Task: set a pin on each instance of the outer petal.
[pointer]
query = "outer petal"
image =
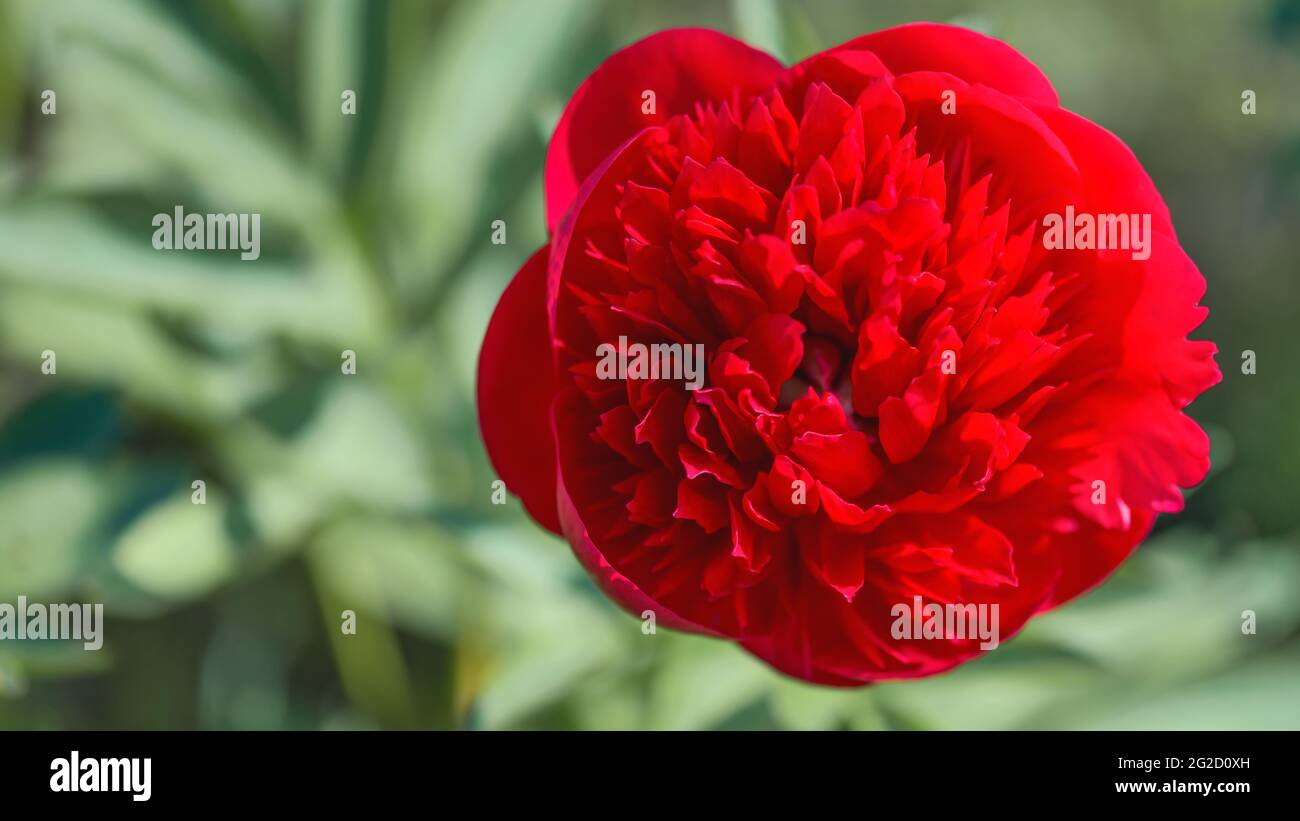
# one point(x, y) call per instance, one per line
point(1056, 561)
point(1130, 436)
point(967, 54)
point(1116, 181)
point(681, 66)
point(516, 389)
point(614, 584)
point(594, 204)
point(1167, 286)
point(1030, 163)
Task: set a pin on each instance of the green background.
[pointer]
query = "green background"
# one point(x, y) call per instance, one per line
point(372, 492)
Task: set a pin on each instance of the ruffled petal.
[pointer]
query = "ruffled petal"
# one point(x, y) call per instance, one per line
point(682, 67)
point(972, 56)
point(515, 390)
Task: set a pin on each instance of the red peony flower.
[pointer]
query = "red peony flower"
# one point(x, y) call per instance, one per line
point(944, 347)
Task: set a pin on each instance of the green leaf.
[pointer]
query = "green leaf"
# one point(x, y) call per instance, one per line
point(541, 651)
point(121, 26)
point(178, 550)
point(357, 450)
point(331, 63)
point(71, 253)
point(798, 705)
point(1184, 619)
point(759, 23)
point(984, 696)
point(48, 510)
point(174, 108)
point(358, 447)
point(1259, 696)
point(370, 661)
point(801, 38)
point(149, 366)
point(537, 631)
point(703, 682)
point(25, 661)
point(14, 53)
point(407, 573)
point(474, 92)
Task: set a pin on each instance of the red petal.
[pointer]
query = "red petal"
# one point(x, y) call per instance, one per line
point(681, 66)
point(835, 560)
point(618, 587)
point(846, 71)
point(515, 389)
point(1115, 180)
point(1030, 163)
point(967, 54)
point(843, 461)
point(774, 348)
point(906, 423)
point(1142, 447)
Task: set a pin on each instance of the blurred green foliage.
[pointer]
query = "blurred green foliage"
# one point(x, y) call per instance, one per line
point(372, 492)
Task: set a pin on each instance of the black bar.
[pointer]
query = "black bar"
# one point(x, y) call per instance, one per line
point(212, 770)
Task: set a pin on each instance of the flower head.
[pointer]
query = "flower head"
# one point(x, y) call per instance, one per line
point(944, 334)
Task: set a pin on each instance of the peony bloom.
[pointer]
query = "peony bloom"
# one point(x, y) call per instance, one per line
point(944, 331)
